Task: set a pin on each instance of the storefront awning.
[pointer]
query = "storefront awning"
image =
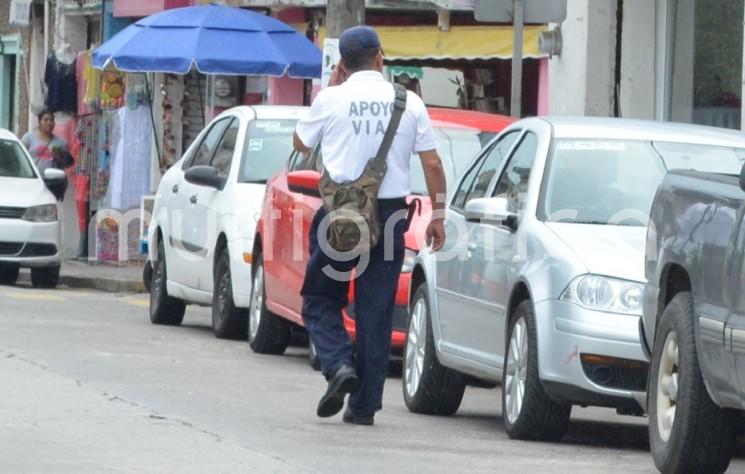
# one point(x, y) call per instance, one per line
point(460, 42)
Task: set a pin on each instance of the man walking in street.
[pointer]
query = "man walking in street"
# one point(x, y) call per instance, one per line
point(349, 119)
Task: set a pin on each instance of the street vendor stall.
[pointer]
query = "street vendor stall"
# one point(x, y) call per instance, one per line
point(184, 42)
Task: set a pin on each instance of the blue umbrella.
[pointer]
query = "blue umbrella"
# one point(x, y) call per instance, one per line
point(214, 39)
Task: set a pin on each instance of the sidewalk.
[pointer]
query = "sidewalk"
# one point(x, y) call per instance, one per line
point(102, 276)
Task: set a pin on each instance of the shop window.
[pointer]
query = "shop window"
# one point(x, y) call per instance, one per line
point(704, 71)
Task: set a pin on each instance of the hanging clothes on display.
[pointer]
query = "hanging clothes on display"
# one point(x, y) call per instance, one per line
point(89, 84)
point(62, 87)
point(130, 166)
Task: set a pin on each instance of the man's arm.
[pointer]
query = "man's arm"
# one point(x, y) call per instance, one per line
point(436, 185)
point(299, 145)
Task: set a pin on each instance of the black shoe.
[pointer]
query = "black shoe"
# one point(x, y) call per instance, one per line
point(351, 418)
point(344, 381)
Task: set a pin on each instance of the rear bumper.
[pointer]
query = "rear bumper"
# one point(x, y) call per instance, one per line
point(400, 320)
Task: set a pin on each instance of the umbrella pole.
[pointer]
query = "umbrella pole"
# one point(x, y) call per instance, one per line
point(152, 120)
point(201, 99)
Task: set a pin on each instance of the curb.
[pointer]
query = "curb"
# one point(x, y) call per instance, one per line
point(110, 285)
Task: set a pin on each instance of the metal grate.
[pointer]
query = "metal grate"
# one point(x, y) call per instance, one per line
point(10, 248)
point(11, 212)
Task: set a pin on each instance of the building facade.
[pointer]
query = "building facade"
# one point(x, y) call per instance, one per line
point(674, 60)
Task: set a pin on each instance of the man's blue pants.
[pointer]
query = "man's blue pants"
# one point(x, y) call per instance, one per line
point(324, 298)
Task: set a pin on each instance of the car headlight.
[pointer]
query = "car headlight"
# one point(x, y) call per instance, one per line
point(409, 258)
point(605, 294)
point(45, 213)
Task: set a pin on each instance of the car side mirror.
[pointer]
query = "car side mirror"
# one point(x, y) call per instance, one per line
point(203, 175)
point(305, 181)
point(54, 175)
point(742, 178)
point(493, 211)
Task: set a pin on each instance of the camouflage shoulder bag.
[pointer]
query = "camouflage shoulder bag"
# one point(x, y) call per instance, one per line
point(352, 206)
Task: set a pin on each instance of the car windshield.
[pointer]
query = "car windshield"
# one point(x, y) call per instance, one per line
point(267, 146)
point(457, 147)
point(13, 161)
point(614, 182)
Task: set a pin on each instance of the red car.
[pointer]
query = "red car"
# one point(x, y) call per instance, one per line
point(291, 200)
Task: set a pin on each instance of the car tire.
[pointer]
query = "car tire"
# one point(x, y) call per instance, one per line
point(528, 411)
point(313, 360)
point(267, 332)
point(164, 309)
point(429, 387)
point(228, 322)
point(45, 277)
point(701, 436)
point(9, 273)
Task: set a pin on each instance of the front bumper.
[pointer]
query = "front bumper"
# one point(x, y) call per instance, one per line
point(588, 356)
point(30, 244)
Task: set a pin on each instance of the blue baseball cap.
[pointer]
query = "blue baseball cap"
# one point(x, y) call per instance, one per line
point(357, 38)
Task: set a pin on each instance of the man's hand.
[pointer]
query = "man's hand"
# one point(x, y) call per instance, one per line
point(436, 234)
point(338, 76)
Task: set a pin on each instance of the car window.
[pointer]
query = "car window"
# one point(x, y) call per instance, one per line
point(268, 143)
point(513, 184)
point(457, 149)
point(476, 183)
point(203, 152)
point(226, 149)
point(13, 161)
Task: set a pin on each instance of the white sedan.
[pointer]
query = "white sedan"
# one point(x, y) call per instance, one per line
point(201, 235)
point(29, 222)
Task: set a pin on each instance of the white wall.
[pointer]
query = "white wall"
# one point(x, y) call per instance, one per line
point(581, 78)
point(437, 89)
point(638, 59)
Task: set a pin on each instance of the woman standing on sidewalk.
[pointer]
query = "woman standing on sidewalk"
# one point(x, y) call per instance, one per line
point(47, 149)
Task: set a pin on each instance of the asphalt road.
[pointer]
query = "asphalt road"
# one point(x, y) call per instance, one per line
point(89, 385)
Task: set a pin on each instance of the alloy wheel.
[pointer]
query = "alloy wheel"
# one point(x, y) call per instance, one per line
point(416, 346)
point(517, 370)
point(667, 386)
point(257, 302)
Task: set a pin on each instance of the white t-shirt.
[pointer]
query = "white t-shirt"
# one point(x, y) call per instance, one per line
point(350, 120)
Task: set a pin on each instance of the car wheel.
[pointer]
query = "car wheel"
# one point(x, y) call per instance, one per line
point(9, 273)
point(528, 411)
point(267, 332)
point(46, 277)
point(429, 387)
point(163, 308)
point(688, 432)
point(313, 359)
point(228, 322)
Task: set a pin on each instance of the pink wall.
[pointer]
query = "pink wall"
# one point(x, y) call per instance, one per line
point(137, 8)
point(543, 87)
point(284, 90)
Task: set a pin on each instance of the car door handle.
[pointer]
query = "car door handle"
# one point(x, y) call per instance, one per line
point(193, 199)
point(174, 189)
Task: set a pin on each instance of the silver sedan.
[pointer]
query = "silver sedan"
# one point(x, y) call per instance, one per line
point(540, 283)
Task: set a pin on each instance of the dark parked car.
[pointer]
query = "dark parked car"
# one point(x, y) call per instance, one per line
point(694, 317)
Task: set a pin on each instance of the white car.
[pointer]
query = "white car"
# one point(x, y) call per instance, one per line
point(201, 235)
point(29, 218)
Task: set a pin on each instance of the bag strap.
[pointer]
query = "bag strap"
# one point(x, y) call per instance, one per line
point(399, 105)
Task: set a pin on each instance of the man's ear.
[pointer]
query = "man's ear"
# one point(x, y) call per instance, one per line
point(379, 63)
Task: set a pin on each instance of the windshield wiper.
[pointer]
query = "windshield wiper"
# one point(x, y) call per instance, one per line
point(253, 181)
